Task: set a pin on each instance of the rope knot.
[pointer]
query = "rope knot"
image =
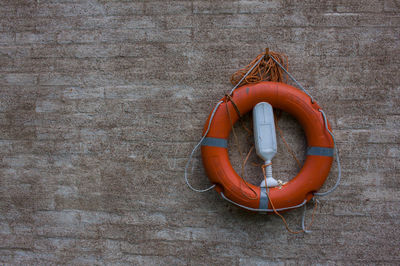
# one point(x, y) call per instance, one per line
point(266, 165)
point(229, 98)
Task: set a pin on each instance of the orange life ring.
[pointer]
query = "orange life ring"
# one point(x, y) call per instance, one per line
point(317, 165)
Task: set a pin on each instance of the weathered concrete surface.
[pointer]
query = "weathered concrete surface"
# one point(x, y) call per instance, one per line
point(101, 103)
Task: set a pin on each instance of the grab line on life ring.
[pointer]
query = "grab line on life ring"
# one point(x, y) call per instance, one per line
point(262, 210)
point(315, 169)
point(219, 143)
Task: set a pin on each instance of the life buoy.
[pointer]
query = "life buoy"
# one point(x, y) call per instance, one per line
point(317, 165)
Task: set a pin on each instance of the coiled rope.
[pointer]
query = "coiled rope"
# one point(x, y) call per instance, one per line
point(265, 69)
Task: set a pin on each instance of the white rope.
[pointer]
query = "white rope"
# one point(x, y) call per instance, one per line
point(194, 150)
point(337, 160)
point(303, 220)
point(334, 144)
point(338, 178)
point(295, 81)
point(262, 210)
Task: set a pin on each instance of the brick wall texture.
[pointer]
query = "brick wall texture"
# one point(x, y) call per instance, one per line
point(102, 101)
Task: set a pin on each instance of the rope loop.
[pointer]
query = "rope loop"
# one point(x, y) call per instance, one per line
point(195, 149)
point(336, 156)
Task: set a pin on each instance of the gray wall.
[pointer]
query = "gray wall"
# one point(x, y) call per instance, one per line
point(101, 102)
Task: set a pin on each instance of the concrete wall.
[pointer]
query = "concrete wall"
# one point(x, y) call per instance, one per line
point(102, 101)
